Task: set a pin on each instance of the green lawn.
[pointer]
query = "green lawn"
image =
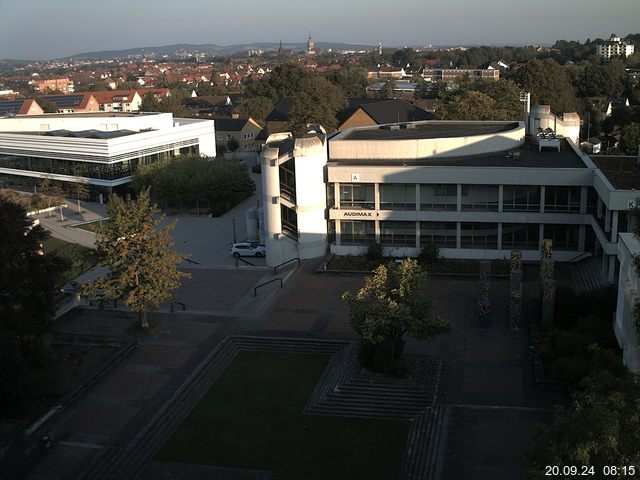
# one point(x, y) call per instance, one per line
point(252, 418)
point(91, 226)
point(79, 258)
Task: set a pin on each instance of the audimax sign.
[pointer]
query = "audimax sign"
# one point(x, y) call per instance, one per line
point(360, 214)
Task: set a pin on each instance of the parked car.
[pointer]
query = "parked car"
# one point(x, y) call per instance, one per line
point(248, 249)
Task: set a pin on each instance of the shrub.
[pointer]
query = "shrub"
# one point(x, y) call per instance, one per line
point(429, 255)
point(257, 168)
point(374, 252)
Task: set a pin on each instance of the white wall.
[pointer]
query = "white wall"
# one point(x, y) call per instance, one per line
point(628, 285)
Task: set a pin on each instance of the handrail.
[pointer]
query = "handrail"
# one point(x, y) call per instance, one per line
point(275, 269)
point(190, 261)
point(243, 261)
point(255, 290)
point(582, 256)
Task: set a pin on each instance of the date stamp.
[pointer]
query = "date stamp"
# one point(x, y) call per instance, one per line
point(570, 471)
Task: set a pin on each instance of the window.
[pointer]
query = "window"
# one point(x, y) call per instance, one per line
point(229, 137)
point(438, 197)
point(564, 237)
point(398, 196)
point(521, 198)
point(398, 234)
point(441, 234)
point(356, 195)
point(479, 235)
point(520, 236)
point(562, 199)
point(289, 220)
point(288, 180)
point(480, 197)
point(359, 232)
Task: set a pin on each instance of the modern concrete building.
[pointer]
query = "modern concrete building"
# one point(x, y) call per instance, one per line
point(614, 47)
point(625, 325)
point(101, 150)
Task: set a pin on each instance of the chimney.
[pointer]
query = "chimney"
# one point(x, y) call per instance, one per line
point(235, 115)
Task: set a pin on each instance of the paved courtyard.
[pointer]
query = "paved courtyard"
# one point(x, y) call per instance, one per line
point(485, 381)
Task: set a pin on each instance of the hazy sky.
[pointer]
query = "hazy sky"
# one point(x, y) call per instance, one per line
point(43, 29)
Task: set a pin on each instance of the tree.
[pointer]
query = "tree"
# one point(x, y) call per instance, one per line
point(27, 289)
point(257, 108)
point(233, 144)
point(137, 251)
point(352, 79)
point(149, 103)
point(317, 101)
point(482, 100)
point(390, 305)
point(630, 139)
point(549, 84)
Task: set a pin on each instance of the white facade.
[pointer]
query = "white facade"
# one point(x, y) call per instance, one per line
point(628, 294)
point(104, 149)
point(614, 47)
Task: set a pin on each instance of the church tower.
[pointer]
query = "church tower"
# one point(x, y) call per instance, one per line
point(310, 46)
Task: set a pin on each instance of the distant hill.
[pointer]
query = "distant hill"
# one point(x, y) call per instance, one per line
point(178, 50)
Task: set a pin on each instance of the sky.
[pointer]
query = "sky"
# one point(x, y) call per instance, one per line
point(47, 29)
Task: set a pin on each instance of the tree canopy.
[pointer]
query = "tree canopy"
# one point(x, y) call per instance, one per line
point(317, 101)
point(390, 305)
point(143, 269)
point(549, 84)
point(482, 100)
point(630, 139)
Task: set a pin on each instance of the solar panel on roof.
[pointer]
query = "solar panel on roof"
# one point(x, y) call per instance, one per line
point(65, 101)
point(10, 106)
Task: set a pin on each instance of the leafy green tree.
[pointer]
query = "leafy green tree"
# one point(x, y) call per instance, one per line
point(549, 84)
point(149, 103)
point(257, 108)
point(482, 100)
point(233, 144)
point(404, 56)
point(317, 101)
point(469, 105)
point(352, 79)
point(390, 305)
point(283, 81)
point(27, 288)
point(630, 139)
point(143, 269)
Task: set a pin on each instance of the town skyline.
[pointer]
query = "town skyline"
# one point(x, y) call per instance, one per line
point(57, 32)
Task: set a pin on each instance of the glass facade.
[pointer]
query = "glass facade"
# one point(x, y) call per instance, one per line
point(397, 196)
point(288, 180)
point(357, 232)
point(564, 237)
point(480, 197)
point(479, 235)
point(521, 198)
point(520, 236)
point(357, 195)
point(439, 197)
point(398, 234)
point(289, 220)
point(95, 170)
point(441, 234)
point(562, 199)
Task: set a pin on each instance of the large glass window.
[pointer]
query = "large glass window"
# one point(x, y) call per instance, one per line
point(289, 220)
point(520, 236)
point(480, 197)
point(287, 172)
point(331, 195)
point(562, 199)
point(439, 197)
point(357, 232)
point(398, 234)
point(479, 235)
point(356, 195)
point(521, 198)
point(441, 234)
point(564, 237)
point(398, 196)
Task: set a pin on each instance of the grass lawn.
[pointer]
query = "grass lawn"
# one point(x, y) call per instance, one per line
point(252, 418)
point(79, 258)
point(91, 226)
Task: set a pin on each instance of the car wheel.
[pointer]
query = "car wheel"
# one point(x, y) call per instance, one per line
point(236, 255)
point(258, 254)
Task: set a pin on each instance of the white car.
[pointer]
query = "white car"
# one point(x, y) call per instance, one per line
point(248, 249)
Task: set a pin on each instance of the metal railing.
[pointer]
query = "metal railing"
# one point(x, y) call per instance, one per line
point(190, 261)
point(275, 269)
point(255, 290)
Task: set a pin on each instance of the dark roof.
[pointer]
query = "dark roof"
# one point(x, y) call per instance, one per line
point(90, 134)
point(280, 112)
point(206, 101)
point(65, 101)
point(390, 111)
point(622, 172)
point(230, 124)
point(11, 107)
point(431, 130)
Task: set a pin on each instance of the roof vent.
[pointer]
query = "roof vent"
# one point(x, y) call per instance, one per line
point(409, 126)
point(391, 127)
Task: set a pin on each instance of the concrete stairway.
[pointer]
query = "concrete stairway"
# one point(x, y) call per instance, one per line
point(586, 275)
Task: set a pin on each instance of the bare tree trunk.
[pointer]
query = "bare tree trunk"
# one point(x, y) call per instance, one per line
point(144, 322)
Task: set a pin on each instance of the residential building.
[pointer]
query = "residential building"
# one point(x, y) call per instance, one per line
point(117, 100)
point(370, 112)
point(614, 47)
point(101, 150)
point(63, 85)
point(450, 74)
point(244, 130)
point(74, 103)
point(208, 105)
point(20, 106)
point(387, 72)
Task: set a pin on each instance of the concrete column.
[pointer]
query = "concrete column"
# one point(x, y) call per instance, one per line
point(500, 197)
point(336, 193)
point(542, 194)
point(612, 268)
point(599, 208)
point(417, 234)
point(582, 232)
point(418, 197)
point(458, 235)
point(459, 198)
point(540, 237)
point(607, 220)
point(603, 267)
point(377, 227)
point(376, 196)
point(614, 226)
point(500, 236)
point(338, 233)
point(583, 200)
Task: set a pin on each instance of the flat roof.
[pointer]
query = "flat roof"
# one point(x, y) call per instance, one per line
point(526, 156)
point(428, 130)
point(622, 171)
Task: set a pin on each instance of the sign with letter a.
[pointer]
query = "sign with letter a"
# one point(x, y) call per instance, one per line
point(355, 177)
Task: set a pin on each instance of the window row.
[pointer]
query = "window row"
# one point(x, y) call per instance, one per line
point(445, 197)
point(520, 236)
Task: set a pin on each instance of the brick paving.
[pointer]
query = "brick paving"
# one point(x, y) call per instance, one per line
point(485, 386)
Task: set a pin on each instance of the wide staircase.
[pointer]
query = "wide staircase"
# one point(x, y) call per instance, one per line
point(586, 275)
